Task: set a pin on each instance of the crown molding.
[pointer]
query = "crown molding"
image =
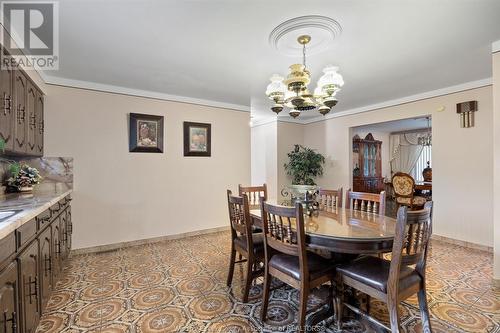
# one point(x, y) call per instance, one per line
point(495, 46)
point(405, 100)
point(274, 119)
point(57, 81)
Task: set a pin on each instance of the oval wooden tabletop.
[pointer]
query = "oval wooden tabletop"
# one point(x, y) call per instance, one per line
point(345, 230)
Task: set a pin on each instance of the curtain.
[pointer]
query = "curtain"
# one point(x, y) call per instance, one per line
point(405, 151)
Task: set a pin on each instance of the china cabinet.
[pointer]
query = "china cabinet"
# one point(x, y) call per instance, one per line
point(367, 164)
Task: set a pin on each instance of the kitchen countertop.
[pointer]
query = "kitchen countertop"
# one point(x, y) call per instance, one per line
point(31, 204)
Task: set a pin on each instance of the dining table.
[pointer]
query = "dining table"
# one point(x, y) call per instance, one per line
point(343, 231)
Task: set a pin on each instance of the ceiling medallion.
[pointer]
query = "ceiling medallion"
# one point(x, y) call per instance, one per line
point(323, 30)
point(292, 92)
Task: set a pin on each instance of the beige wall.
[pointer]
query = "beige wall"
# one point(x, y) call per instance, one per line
point(496, 153)
point(462, 159)
point(121, 196)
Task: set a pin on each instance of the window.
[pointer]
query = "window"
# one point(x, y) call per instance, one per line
point(425, 156)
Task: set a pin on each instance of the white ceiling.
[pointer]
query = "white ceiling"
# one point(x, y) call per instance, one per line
point(218, 50)
point(394, 126)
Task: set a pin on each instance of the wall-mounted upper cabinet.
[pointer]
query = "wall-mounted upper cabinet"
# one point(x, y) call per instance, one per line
point(39, 124)
point(6, 106)
point(21, 113)
point(20, 96)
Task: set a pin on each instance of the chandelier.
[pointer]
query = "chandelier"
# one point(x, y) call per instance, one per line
point(292, 92)
point(426, 139)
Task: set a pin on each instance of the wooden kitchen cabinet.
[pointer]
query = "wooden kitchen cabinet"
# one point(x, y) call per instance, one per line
point(6, 109)
point(39, 123)
point(31, 118)
point(21, 112)
point(46, 274)
point(20, 94)
point(31, 258)
point(9, 292)
point(28, 266)
point(56, 246)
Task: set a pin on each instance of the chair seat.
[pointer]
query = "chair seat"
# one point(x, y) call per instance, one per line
point(374, 272)
point(318, 266)
point(258, 243)
point(417, 201)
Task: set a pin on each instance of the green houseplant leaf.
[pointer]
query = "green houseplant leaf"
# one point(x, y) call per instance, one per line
point(304, 165)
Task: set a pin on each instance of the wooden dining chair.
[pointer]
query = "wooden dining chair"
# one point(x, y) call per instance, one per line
point(254, 193)
point(287, 259)
point(404, 191)
point(329, 200)
point(249, 245)
point(395, 280)
point(366, 202)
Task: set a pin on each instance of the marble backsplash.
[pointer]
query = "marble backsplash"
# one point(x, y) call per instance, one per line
point(54, 170)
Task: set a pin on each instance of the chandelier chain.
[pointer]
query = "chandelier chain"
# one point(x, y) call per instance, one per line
point(304, 55)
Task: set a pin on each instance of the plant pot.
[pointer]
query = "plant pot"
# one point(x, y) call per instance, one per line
point(26, 189)
point(299, 191)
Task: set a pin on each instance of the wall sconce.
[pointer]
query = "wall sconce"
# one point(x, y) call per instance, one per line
point(466, 111)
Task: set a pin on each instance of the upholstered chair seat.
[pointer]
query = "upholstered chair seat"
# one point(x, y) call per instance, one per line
point(258, 244)
point(374, 272)
point(290, 265)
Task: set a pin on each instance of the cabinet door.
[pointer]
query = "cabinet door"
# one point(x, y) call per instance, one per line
point(8, 299)
point(20, 91)
point(64, 235)
point(56, 248)
point(6, 110)
point(45, 266)
point(31, 119)
point(29, 288)
point(69, 229)
point(39, 124)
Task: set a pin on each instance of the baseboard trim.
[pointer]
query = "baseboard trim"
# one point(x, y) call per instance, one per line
point(468, 245)
point(116, 246)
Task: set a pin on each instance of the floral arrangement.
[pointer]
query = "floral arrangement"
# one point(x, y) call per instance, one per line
point(23, 176)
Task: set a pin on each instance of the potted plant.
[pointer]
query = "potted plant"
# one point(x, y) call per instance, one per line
point(23, 178)
point(304, 165)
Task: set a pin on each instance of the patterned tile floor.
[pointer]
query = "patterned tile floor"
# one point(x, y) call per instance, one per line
point(179, 286)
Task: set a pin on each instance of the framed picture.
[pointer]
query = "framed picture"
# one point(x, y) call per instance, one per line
point(197, 139)
point(146, 133)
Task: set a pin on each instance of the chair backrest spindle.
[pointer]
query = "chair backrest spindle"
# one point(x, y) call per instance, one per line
point(254, 193)
point(330, 200)
point(366, 202)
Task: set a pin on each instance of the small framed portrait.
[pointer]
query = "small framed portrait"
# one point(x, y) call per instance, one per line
point(197, 139)
point(146, 133)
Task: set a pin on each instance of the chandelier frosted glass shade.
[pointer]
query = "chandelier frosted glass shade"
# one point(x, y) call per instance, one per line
point(292, 92)
point(276, 89)
point(331, 81)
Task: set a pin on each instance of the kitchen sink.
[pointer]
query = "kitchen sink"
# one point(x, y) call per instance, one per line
point(6, 214)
